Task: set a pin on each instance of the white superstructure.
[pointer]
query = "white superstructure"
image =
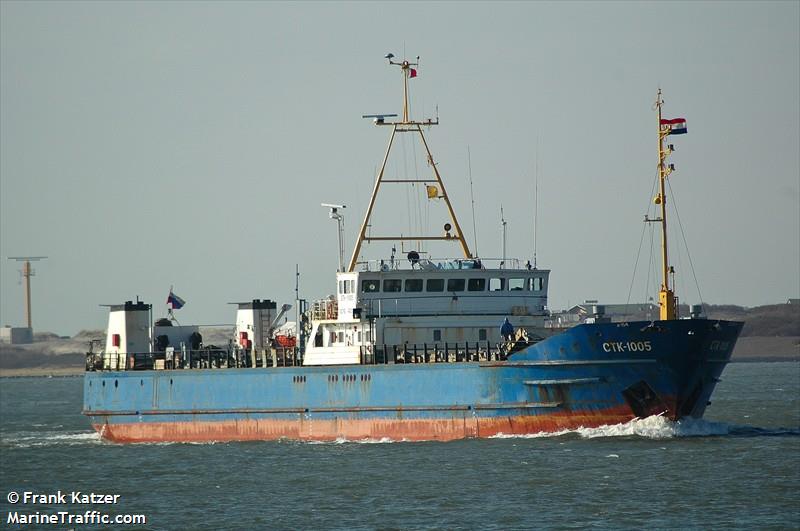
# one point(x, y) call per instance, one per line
point(457, 302)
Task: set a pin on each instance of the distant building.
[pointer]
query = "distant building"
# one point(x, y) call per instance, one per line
point(793, 301)
point(613, 310)
point(16, 336)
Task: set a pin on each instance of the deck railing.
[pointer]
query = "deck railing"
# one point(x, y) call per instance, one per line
point(442, 264)
point(214, 358)
point(434, 353)
point(207, 358)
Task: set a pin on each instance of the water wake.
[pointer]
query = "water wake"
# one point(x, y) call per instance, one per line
point(51, 438)
point(344, 440)
point(658, 427)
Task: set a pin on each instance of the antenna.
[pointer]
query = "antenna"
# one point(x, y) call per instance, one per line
point(472, 196)
point(297, 282)
point(535, 200)
point(379, 119)
point(334, 214)
point(27, 273)
point(503, 228)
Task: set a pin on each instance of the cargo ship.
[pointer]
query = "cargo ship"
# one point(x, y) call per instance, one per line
point(410, 348)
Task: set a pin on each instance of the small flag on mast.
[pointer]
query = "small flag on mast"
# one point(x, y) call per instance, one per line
point(413, 73)
point(677, 126)
point(174, 302)
point(433, 192)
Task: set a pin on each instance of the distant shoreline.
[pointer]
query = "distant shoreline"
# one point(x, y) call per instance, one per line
point(75, 372)
point(749, 349)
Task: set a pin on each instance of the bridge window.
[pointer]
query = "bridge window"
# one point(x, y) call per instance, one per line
point(537, 283)
point(516, 284)
point(476, 284)
point(497, 284)
point(481, 334)
point(435, 284)
point(455, 284)
point(369, 286)
point(414, 284)
point(437, 335)
point(346, 286)
point(392, 285)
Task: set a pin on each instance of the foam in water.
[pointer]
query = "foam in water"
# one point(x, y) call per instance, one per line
point(655, 427)
point(52, 438)
point(344, 440)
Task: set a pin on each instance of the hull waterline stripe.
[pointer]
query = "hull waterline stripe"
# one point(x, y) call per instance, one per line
point(551, 363)
point(565, 381)
point(528, 405)
point(513, 405)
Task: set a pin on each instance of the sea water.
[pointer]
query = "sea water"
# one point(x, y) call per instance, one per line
point(737, 468)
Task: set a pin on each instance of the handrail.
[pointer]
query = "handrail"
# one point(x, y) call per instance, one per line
point(437, 352)
point(403, 264)
point(206, 358)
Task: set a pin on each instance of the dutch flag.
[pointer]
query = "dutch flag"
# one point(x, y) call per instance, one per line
point(677, 126)
point(175, 302)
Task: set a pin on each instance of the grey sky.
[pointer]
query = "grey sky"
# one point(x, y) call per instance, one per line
point(149, 144)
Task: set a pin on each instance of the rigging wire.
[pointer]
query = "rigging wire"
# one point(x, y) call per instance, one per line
point(410, 215)
point(683, 235)
point(472, 196)
point(641, 240)
point(421, 194)
point(650, 267)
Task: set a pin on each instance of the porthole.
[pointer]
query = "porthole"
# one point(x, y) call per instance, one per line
point(104, 383)
point(116, 383)
point(170, 381)
point(141, 383)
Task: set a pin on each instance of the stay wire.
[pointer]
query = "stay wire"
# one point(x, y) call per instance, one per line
point(641, 240)
point(683, 235)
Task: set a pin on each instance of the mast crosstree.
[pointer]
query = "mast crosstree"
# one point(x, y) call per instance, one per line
point(407, 125)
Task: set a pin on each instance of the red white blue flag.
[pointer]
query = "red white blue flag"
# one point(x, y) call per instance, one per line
point(175, 302)
point(677, 126)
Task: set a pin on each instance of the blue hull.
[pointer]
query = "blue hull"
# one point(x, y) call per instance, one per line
point(589, 375)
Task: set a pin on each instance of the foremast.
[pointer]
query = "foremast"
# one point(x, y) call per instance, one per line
point(406, 125)
point(666, 296)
